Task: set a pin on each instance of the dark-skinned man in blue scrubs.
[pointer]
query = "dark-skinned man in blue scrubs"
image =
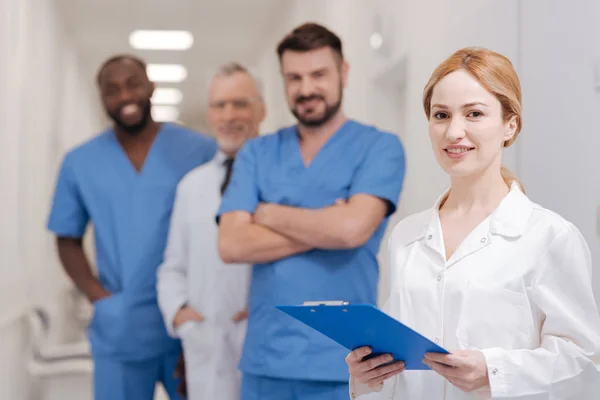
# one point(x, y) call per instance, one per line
point(123, 181)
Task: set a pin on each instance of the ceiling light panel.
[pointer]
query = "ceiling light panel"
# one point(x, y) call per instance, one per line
point(165, 113)
point(166, 72)
point(167, 96)
point(161, 40)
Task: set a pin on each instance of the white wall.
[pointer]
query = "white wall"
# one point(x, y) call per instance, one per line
point(559, 148)
point(45, 108)
point(596, 245)
point(349, 19)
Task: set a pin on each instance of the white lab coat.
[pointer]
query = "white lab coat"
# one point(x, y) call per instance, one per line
point(518, 289)
point(193, 273)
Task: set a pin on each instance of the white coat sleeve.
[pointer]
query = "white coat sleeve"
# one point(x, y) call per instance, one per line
point(172, 273)
point(567, 363)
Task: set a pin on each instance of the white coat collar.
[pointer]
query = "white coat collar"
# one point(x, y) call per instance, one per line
point(509, 219)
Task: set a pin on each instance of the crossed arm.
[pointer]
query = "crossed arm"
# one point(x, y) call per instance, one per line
point(275, 231)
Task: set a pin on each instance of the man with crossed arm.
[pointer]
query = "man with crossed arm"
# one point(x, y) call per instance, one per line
point(308, 206)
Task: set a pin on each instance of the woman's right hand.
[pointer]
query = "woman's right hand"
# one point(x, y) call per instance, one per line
point(372, 372)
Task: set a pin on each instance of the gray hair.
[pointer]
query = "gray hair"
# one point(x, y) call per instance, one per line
point(235, 67)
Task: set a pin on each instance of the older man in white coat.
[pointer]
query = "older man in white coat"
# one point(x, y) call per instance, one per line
point(203, 301)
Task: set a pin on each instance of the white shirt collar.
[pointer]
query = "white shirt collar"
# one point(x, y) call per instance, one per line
point(220, 158)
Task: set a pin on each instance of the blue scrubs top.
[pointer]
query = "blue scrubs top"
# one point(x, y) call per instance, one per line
point(356, 159)
point(130, 212)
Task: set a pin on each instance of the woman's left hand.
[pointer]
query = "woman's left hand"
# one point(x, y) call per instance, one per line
point(465, 369)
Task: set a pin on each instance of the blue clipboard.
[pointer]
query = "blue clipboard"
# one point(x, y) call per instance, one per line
point(358, 325)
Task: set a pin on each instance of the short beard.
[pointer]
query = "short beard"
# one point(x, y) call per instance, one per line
point(330, 111)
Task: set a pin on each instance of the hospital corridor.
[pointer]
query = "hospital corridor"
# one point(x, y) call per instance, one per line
point(198, 196)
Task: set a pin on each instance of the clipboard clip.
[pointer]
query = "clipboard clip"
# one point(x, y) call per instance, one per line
point(326, 303)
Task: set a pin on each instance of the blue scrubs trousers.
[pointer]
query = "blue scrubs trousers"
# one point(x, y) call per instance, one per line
point(263, 388)
point(134, 380)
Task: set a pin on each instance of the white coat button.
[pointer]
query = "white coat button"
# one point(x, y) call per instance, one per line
point(437, 341)
point(429, 237)
point(483, 240)
point(495, 371)
point(439, 278)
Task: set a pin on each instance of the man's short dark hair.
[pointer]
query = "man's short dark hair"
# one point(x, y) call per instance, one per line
point(117, 58)
point(310, 36)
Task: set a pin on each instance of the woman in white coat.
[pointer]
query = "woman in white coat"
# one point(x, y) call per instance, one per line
point(499, 281)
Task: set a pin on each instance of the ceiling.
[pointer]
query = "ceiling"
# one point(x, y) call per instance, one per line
point(223, 30)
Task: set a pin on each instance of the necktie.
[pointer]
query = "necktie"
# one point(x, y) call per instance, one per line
point(228, 164)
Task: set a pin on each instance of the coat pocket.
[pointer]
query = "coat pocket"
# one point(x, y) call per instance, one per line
point(490, 317)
